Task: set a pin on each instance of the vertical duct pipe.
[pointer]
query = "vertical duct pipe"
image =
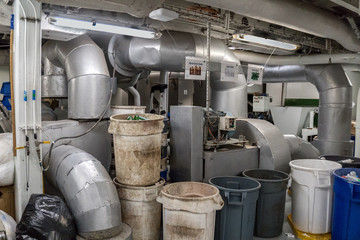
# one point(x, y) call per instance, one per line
point(87, 75)
point(88, 191)
point(131, 55)
point(335, 102)
point(136, 96)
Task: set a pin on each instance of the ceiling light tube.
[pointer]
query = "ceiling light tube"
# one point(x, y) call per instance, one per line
point(101, 27)
point(264, 41)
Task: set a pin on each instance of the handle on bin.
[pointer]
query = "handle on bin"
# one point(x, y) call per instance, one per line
point(229, 195)
point(353, 197)
point(326, 177)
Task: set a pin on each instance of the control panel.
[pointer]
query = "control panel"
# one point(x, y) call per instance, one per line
point(227, 123)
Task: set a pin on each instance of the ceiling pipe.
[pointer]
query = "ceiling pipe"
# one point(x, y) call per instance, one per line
point(87, 74)
point(335, 102)
point(295, 15)
point(88, 191)
point(258, 58)
point(130, 56)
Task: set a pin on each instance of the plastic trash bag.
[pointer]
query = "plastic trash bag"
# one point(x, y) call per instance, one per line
point(6, 160)
point(10, 225)
point(46, 217)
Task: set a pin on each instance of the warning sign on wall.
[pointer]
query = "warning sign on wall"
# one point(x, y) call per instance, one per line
point(255, 74)
point(229, 71)
point(195, 68)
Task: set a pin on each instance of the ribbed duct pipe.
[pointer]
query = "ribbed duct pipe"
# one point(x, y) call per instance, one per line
point(87, 75)
point(335, 102)
point(296, 15)
point(88, 191)
point(131, 55)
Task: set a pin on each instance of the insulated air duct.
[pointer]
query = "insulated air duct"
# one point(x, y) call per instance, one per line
point(295, 15)
point(88, 191)
point(130, 56)
point(87, 75)
point(301, 149)
point(335, 102)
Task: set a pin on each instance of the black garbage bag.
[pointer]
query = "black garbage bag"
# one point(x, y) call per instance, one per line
point(46, 217)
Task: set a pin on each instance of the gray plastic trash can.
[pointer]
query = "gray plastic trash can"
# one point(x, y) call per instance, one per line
point(271, 203)
point(236, 219)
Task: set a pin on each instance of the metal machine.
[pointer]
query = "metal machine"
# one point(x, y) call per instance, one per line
point(207, 144)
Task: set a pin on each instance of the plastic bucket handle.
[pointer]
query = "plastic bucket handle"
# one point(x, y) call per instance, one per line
point(321, 177)
point(353, 198)
point(229, 194)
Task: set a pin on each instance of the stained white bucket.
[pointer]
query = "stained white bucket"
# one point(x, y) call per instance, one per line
point(116, 109)
point(312, 194)
point(189, 210)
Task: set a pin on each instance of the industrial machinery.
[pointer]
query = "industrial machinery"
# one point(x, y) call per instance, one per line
point(207, 144)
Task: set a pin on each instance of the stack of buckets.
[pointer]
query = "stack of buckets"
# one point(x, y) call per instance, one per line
point(137, 148)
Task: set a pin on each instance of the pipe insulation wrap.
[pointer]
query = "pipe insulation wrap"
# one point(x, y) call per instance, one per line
point(88, 190)
point(87, 74)
point(335, 102)
point(130, 56)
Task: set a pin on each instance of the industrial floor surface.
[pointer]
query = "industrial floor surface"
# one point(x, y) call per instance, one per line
point(287, 233)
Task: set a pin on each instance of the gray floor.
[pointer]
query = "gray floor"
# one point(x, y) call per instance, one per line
point(287, 233)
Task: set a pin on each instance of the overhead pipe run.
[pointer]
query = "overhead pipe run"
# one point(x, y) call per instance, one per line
point(335, 102)
point(295, 15)
point(131, 55)
point(87, 74)
point(297, 60)
point(88, 191)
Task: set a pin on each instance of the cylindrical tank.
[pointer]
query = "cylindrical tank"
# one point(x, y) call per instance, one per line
point(137, 148)
point(140, 210)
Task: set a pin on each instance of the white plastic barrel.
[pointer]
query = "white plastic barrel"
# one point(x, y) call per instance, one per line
point(117, 109)
point(137, 148)
point(140, 210)
point(189, 210)
point(312, 194)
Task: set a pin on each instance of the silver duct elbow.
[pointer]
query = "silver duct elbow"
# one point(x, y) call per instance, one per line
point(87, 75)
point(130, 56)
point(88, 191)
point(335, 102)
point(301, 149)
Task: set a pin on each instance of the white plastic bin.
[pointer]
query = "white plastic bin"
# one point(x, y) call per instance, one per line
point(312, 194)
point(117, 109)
point(189, 210)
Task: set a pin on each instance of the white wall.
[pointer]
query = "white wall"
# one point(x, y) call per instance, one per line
point(292, 90)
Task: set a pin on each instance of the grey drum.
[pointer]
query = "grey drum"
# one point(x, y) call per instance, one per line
point(271, 204)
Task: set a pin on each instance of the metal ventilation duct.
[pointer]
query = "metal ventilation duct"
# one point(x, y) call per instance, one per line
point(131, 55)
point(87, 75)
point(88, 190)
point(335, 104)
point(295, 15)
point(301, 149)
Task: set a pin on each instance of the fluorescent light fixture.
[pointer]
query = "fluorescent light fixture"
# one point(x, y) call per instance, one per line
point(265, 41)
point(101, 27)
